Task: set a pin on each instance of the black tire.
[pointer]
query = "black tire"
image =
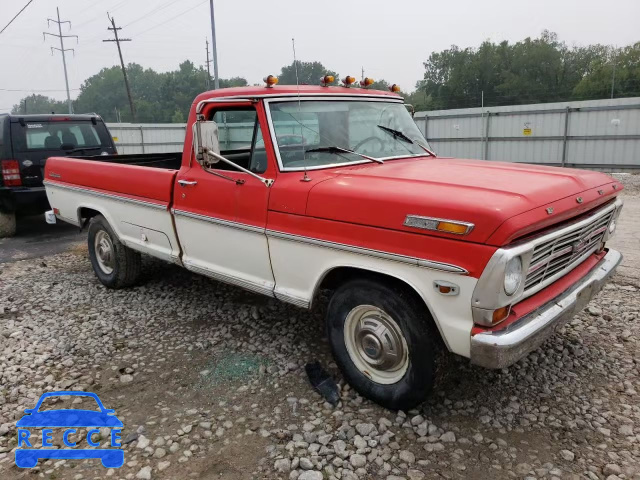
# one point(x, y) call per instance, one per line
point(126, 262)
point(420, 334)
point(7, 224)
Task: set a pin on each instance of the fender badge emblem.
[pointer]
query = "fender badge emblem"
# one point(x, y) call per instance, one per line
point(601, 192)
point(549, 210)
point(579, 199)
point(615, 187)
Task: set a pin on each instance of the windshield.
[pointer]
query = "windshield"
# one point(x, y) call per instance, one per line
point(363, 127)
point(60, 135)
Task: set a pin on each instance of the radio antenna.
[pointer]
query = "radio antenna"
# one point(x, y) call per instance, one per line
point(295, 66)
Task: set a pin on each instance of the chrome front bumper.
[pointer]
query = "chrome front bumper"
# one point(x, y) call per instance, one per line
point(501, 348)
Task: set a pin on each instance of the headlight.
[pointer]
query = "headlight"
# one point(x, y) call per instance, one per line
point(512, 275)
point(612, 226)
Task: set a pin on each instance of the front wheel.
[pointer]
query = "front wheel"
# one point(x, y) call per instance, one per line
point(115, 265)
point(384, 342)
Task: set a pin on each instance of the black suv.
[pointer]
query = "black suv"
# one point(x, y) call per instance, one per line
point(26, 141)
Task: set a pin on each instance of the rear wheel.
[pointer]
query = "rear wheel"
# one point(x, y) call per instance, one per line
point(115, 265)
point(384, 342)
point(7, 224)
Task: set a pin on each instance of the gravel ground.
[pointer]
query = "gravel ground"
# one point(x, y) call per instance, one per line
point(209, 383)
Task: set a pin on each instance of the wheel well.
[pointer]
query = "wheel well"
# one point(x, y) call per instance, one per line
point(340, 275)
point(85, 214)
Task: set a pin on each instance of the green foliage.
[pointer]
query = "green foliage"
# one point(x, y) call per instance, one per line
point(626, 62)
point(158, 97)
point(530, 71)
point(40, 104)
point(309, 73)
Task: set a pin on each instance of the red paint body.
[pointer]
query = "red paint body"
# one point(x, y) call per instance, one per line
point(365, 205)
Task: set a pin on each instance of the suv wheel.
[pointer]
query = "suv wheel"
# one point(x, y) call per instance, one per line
point(7, 224)
point(115, 265)
point(383, 342)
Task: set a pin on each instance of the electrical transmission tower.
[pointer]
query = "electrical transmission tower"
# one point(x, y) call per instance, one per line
point(62, 50)
point(124, 70)
point(208, 63)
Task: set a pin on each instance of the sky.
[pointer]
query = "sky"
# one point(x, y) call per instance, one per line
point(389, 39)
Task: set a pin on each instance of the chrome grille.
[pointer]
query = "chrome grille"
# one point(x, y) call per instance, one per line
point(553, 256)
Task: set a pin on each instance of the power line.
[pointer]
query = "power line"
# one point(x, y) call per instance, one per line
point(124, 70)
point(11, 21)
point(170, 19)
point(62, 50)
point(34, 90)
point(152, 12)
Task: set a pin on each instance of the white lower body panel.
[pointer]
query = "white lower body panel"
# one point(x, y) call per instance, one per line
point(300, 267)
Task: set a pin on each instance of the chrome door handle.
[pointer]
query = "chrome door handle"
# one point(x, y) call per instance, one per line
point(184, 183)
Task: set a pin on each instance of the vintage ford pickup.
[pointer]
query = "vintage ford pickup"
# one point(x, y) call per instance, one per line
point(290, 191)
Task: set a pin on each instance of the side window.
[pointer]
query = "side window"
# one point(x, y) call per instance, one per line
point(241, 139)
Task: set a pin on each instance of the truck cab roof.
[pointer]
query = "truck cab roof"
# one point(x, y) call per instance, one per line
point(292, 90)
point(47, 117)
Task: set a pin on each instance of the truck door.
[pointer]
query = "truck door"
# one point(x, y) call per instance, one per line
point(220, 212)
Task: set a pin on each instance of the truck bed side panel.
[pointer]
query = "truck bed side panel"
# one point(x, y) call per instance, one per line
point(143, 182)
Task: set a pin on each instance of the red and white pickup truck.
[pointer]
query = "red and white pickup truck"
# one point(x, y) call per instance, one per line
point(288, 191)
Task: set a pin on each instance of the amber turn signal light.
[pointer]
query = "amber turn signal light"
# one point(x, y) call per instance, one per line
point(500, 314)
point(270, 80)
point(450, 227)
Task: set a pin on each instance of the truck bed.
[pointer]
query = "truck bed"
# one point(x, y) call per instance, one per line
point(169, 161)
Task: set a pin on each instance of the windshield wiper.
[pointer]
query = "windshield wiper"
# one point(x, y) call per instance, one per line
point(402, 136)
point(334, 149)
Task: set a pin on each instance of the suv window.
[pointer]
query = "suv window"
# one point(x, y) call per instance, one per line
point(54, 135)
point(241, 139)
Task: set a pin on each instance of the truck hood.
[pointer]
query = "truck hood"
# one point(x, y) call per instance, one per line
point(484, 193)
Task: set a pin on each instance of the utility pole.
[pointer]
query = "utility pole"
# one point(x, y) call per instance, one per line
point(216, 82)
point(208, 62)
point(613, 75)
point(62, 50)
point(124, 70)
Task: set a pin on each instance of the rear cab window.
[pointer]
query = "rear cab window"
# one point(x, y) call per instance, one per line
point(80, 136)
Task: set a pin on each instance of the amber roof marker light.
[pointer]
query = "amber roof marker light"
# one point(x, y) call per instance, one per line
point(270, 80)
point(348, 81)
point(327, 80)
point(366, 82)
point(395, 88)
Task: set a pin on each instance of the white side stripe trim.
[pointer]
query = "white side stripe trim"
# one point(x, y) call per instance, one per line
point(104, 195)
point(420, 262)
point(446, 267)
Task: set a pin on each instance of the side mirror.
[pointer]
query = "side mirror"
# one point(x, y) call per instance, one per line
point(205, 137)
point(409, 107)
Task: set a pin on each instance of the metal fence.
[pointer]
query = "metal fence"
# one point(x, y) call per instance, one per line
point(169, 137)
point(595, 134)
point(147, 137)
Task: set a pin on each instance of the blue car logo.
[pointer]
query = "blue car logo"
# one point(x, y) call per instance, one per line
point(70, 419)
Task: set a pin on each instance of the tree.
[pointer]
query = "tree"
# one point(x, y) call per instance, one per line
point(541, 69)
point(309, 73)
point(39, 104)
point(625, 81)
point(158, 97)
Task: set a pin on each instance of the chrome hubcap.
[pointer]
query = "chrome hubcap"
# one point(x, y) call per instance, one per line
point(104, 251)
point(376, 344)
